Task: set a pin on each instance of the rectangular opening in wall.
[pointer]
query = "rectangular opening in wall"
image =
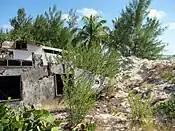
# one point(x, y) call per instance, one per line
point(3, 62)
point(21, 45)
point(27, 63)
point(18, 45)
point(52, 51)
point(59, 83)
point(10, 86)
point(14, 63)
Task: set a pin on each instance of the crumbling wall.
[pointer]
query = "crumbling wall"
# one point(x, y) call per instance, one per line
point(13, 71)
point(36, 85)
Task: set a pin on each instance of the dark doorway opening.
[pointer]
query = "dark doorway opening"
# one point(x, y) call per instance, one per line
point(10, 86)
point(3, 62)
point(21, 45)
point(59, 83)
point(14, 63)
point(27, 63)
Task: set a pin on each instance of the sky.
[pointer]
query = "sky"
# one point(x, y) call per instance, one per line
point(108, 9)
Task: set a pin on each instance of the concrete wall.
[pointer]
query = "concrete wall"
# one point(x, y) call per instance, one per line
point(27, 54)
point(37, 86)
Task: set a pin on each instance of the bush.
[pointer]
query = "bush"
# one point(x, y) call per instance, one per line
point(168, 75)
point(27, 119)
point(166, 110)
point(141, 111)
point(79, 98)
point(94, 61)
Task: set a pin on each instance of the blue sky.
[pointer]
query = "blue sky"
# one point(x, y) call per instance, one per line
point(109, 9)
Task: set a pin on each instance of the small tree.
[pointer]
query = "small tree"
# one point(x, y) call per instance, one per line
point(22, 26)
point(137, 34)
point(93, 60)
point(47, 27)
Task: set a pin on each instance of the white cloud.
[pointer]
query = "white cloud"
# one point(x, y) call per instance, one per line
point(6, 27)
point(171, 25)
point(168, 36)
point(88, 12)
point(65, 16)
point(155, 13)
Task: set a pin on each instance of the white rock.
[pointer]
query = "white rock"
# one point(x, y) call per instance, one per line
point(121, 94)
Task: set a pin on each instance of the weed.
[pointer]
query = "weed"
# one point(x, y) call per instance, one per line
point(141, 111)
point(166, 110)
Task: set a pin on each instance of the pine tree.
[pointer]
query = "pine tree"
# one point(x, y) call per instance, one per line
point(21, 26)
point(136, 34)
point(47, 27)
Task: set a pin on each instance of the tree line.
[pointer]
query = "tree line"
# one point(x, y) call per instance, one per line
point(133, 32)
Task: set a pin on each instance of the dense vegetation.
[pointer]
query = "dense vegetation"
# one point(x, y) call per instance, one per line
point(26, 119)
point(78, 94)
point(134, 33)
point(95, 48)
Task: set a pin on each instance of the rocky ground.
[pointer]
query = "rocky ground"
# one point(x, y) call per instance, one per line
point(141, 76)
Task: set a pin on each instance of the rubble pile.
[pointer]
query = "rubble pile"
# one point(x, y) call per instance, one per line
point(140, 76)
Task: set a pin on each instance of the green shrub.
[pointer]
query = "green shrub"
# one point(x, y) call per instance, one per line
point(90, 127)
point(168, 75)
point(79, 99)
point(27, 119)
point(78, 94)
point(141, 111)
point(166, 110)
point(94, 59)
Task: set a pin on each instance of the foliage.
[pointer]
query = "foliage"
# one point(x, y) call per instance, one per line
point(96, 59)
point(134, 32)
point(168, 75)
point(79, 98)
point(137, 34)
point(22, 26)
point(90, 127)
point(27, 119)
point(141, 111)
point(166, 109)
point(72, 29)
point(143, 114)
point(47, 27)
point(3, 36)
point(72, 19)
point(153, 127)
point(92, 61)
point(93, 31)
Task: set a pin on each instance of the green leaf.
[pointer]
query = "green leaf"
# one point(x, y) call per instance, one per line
point(38, 128)
point(17, 118)
point(4, 120)
point(20, 129)
point(54, 129)
point(1, 127)
point(50, 118)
